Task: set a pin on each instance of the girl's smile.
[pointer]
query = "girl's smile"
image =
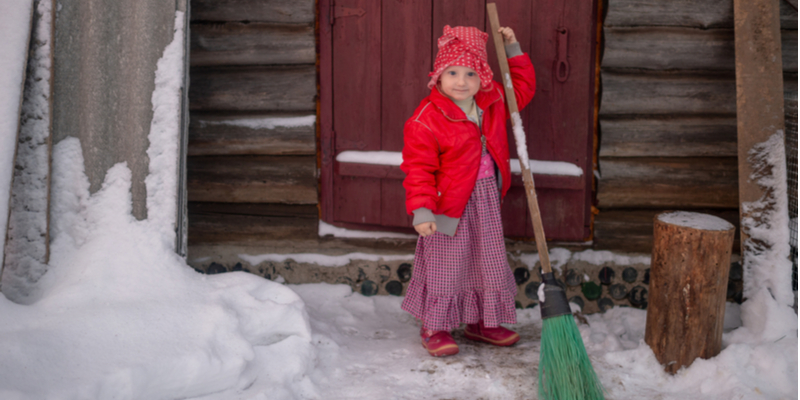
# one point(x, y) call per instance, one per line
point(459, 83)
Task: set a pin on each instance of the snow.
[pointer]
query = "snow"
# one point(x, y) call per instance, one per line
point(267, 123)
point(15, 19)
point(328, 229)
point(371, 157)
point(395, 158)
point(508, 81)
point(26, 250)
point(164, 137)
point(695, 220)
point(548, 168)
point(766, 221)
point(519, 139)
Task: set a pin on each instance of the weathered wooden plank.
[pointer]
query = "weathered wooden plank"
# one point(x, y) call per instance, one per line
point(253, 88)
point(701, 14)
point(655, 47)
point(236, 43)
point(789, 50)
point(668, 137)
point(249, 223)
point(282, 11)
point(690, 13)
point(252, 179)
point(665, 48)
point(710, 182)
point(259, 134)
point(631, 230)
point(668, 93)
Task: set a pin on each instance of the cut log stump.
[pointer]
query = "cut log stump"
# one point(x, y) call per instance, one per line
point(689, 279)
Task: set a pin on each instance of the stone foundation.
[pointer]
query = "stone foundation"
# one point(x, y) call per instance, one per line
point(595, 286)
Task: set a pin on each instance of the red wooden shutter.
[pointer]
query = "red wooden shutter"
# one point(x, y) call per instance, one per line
point(375, 57)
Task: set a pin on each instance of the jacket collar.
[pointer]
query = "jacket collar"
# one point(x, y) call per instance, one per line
point(483, 99)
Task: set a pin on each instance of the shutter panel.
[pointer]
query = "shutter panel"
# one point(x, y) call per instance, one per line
point(379, 54)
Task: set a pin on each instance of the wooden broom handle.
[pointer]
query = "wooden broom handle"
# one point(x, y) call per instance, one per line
point(527, 177)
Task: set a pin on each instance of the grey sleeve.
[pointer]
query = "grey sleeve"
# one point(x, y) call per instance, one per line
point(513, 50)
point(421, 215)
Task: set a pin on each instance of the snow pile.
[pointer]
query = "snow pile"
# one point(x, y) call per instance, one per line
point(15, 18)
point(26, 251)
point(548, 168)
point(123, 316)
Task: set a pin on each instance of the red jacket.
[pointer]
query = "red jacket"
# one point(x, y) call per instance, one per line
point(442, 150)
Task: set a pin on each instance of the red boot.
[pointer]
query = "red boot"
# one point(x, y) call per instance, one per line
point(438, 343)
point(497, 336)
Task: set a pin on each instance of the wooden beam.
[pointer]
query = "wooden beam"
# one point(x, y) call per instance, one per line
point(760, 113)
point(631, 230)
point(668, 93)
point(254, 134)
point(253, 88)
point(252, 179)
point(664, 48)
point(236, 43)
point(689, 13)
point(667, 182)
point(700, 136)
point(281, 11)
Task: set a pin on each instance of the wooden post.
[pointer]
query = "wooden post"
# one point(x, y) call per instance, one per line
point(759, 93)
point(688, 284)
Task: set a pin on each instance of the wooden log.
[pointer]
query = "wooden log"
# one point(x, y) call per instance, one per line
point(689, 13)
point(668, 183)
point(668, 93)
point(281, 11)
point(701, 14)
point(668, 48)
point(220, 223)
point(252, 179)
point(668, 137)
point(631, 230)
point(688, 286)
point(236, 43)
point(257, 134)
point(789, 50)
point(253, 88)
point(664, 48)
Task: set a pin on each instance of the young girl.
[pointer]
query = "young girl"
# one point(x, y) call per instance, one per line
point(457, 168)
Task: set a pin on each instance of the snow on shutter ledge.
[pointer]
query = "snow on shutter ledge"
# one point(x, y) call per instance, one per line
point(395, 158)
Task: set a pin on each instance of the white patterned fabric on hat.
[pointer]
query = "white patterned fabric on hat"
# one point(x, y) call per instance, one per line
point(463, 46)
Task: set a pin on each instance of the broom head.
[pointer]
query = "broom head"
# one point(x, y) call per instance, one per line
point(565, 372)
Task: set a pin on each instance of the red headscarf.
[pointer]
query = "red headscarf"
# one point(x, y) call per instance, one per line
point(463, 46)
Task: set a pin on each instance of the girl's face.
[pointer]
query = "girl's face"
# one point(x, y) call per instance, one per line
point(459, 83)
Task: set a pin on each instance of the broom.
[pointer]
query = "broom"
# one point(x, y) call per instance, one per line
point(565, 372)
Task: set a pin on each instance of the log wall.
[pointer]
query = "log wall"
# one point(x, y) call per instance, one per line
point(667, 118)
point(251, 165)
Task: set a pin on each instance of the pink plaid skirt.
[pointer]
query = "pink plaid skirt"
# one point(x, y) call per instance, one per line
point(465, 278)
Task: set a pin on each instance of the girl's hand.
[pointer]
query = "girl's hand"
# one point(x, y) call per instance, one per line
point(426, 228)
point(508, 35)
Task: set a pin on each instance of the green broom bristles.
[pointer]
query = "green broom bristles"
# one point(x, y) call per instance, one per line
point(565, 372)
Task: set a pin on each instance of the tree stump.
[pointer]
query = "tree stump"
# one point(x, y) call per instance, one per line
point(688, 284)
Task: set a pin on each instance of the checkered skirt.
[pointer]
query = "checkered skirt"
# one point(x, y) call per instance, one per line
point(465, 278)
